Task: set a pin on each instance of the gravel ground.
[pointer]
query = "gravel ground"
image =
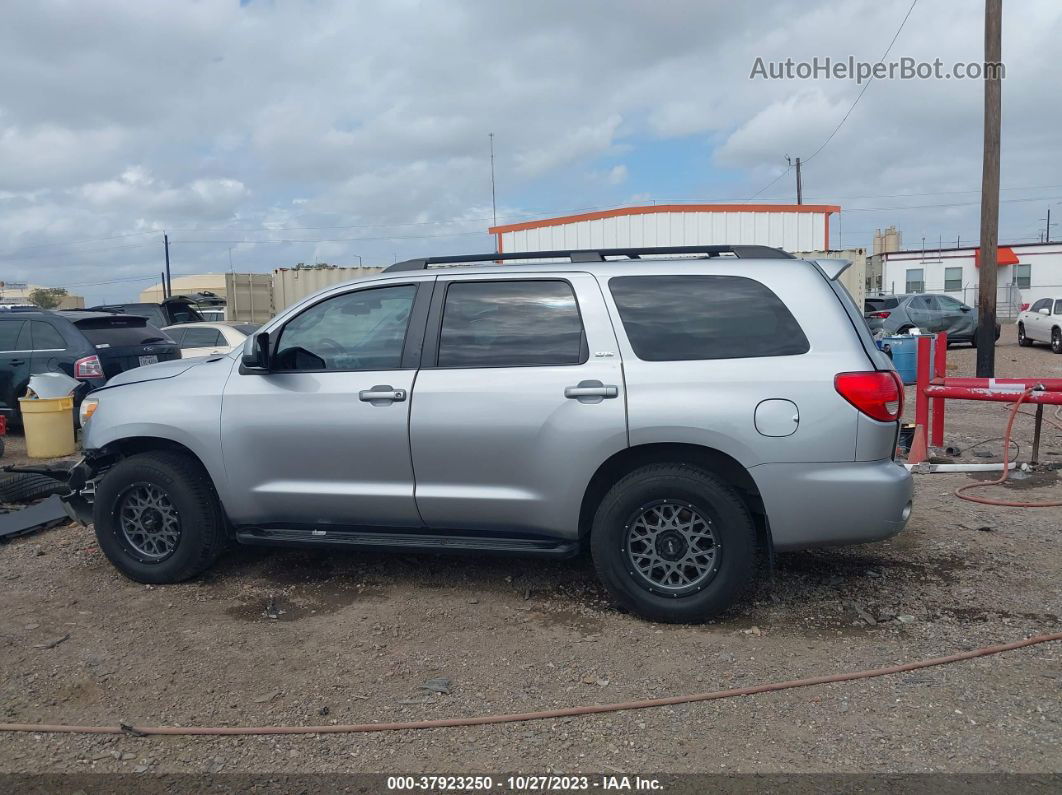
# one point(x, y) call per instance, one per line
point(269, 637)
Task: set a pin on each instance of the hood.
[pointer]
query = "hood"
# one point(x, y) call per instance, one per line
point(155, 372)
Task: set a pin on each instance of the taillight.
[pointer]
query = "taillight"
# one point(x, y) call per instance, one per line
point(877, 394)
point(88, 367)
point(882, 315)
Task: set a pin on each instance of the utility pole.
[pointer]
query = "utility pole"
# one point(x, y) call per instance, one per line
point(986, 293)
point(168, 285)
point(1046, 235)
point(800, 187)
point(493, 197)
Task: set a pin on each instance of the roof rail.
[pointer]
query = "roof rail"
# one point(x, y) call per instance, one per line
point(592, 255)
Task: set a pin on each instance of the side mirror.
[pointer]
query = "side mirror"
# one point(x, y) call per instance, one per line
point(966, 308)
point(1045, 311)
point(255, 358)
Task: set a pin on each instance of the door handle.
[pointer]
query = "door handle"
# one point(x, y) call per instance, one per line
point(590, 392)
point(381, 395)
point(17, 361)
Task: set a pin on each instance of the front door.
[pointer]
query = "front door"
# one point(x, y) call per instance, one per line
point(15, 353)
point(323, 437)
point(957, 319)
point(520, 398)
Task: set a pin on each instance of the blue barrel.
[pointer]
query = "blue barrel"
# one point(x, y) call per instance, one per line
point(904, 349)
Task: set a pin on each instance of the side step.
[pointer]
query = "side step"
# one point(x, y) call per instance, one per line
point(399, 541)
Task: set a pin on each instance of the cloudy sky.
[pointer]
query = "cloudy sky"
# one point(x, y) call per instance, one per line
point(285, 131)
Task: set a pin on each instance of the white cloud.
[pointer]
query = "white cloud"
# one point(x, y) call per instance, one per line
point(372, 118)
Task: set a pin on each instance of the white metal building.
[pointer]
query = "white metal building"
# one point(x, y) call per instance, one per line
point(793, 227)
point(1027, 272)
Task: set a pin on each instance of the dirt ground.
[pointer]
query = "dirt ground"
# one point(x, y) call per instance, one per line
point(270, 637)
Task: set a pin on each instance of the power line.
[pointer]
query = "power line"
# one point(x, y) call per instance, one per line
point(769, 184)
point(840, 124)
point(866, 85)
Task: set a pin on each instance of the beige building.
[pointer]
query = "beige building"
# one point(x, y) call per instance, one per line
point(854, 278)
point(186, 285)
point(19, 292)
point(885, 241)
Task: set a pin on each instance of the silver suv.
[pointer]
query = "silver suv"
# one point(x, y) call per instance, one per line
point(677, 411)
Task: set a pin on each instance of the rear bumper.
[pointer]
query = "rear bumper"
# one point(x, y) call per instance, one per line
point(811, 505)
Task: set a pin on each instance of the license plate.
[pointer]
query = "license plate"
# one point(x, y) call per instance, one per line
point(149, 360)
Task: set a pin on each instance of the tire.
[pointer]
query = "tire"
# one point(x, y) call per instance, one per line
point(1023, 341)
point(647, 497)
point(172, 528)
point(26, 486)
point(1056, 340)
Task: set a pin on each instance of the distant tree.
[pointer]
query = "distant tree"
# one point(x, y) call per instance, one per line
point(47, 297)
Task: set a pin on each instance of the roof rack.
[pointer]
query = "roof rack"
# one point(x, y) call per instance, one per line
point(592, 255)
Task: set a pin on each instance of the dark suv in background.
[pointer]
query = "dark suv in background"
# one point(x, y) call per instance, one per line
point(88, 346)
point(168, 313)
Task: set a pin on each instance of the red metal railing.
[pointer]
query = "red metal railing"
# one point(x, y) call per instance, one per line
point(932, 392)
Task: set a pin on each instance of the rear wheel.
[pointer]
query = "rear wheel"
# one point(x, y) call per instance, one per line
point(1023, 341)
point(157, 518)
point(673, 543)
point(1056, 340)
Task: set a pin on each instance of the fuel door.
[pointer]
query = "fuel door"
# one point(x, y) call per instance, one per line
point(777, 417)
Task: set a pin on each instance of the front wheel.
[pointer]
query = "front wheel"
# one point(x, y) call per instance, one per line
point(157, 518)
point(1023, 341)
point(1056, 340)
point(673, 543)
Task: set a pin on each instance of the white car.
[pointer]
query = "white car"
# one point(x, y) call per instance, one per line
point(1042, 322)
point(205, 339)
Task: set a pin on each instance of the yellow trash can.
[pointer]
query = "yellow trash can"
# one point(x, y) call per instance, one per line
point(49, 426)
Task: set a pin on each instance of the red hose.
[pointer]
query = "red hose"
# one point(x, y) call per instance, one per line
point(1006, 471)
point(566, 712)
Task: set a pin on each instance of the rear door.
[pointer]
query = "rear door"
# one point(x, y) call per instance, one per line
point(924, 313)
point(49, 349)
point(15, 356)
point(520, 398)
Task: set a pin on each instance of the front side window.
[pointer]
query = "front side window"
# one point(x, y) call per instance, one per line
point(952, 279)
point(361, 330)
point(948, 304)
point(682, 318)
point(1023, 276)
point(916, 282)
point(511, 323)
point(1043, 303)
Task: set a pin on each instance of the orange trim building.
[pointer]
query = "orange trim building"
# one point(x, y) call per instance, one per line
point(792, 227)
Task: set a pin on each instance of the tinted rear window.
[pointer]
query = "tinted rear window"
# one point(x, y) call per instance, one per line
point(116, 332)
point(876, 304)
point(679, 318)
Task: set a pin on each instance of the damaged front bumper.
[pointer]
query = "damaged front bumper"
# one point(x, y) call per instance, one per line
point(80, 482)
